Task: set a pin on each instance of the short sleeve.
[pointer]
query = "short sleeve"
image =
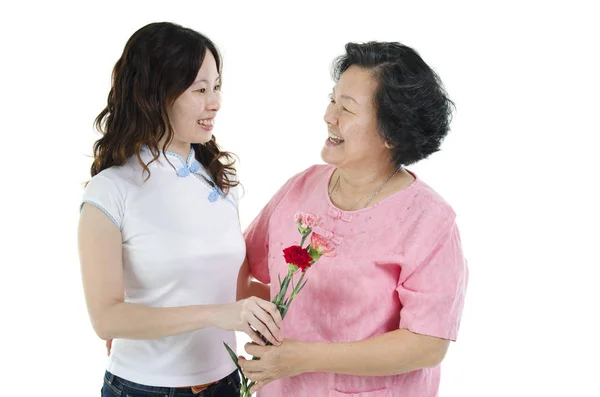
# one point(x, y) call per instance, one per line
point(432, 294)
point(104, 193)
point(257, 235)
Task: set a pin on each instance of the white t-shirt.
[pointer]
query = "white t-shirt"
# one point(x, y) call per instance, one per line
point(182, 245)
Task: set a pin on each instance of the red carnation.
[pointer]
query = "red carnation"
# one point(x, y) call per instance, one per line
point(298, 256)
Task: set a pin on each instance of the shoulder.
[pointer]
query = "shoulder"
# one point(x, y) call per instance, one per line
point(298, 186)
point(430, 201)
point(130, 173)
point(428, 215)
point(310, 177)
point(115, 176)
point(116, 181)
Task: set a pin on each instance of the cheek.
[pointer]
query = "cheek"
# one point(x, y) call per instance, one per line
point(191, 107)
point(179, 111)
point(369, 132)
point(197, 107)
point(355, 132)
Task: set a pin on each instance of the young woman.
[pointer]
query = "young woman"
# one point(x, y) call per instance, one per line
point(159, 235)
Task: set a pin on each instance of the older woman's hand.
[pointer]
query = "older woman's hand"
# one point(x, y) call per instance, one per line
point(275, 362)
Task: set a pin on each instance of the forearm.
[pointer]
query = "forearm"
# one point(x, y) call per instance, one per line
point(135, 321)
point(260, 290)
point(247, 287)
point(392, 353)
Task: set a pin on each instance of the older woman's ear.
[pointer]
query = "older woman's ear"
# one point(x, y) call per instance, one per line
point(389, 145)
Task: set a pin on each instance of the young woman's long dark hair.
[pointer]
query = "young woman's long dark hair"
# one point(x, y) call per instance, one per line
point(159, 62)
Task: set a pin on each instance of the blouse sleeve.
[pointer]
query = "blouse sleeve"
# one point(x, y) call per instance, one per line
point(105, 194)
point(257, 234)
point(432, 293)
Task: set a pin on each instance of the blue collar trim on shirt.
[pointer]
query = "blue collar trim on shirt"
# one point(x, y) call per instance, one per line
point(191, 166)
point(187, 169)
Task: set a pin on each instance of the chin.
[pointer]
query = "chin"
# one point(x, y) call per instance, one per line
point(202, 138)
point(326, 157)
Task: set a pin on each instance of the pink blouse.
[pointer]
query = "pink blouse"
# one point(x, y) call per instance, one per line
point(398, 265)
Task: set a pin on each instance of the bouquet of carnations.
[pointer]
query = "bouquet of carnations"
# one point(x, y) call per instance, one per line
point(299, 260)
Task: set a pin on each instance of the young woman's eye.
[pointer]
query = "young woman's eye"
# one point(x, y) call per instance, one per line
point(218, 87)
point(202, 90)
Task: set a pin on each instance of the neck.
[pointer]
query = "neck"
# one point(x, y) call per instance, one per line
point(180, 148)
point(364, 180)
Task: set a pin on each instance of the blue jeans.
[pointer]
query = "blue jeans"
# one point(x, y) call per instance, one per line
point(119, 387)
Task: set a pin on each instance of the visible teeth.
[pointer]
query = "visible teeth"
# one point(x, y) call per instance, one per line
point(206, 122)
point(335, 137)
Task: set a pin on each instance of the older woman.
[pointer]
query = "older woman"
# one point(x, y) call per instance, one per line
point(376, 319)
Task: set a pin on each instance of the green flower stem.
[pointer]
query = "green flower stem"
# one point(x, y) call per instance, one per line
point(284, 287)
point(283, 308)
point(294, 294)
point(296, 290)
point(304, 236)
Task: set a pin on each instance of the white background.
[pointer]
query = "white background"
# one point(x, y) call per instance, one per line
point(518, 166)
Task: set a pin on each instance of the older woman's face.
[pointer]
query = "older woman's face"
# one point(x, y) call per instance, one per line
point(352, 122)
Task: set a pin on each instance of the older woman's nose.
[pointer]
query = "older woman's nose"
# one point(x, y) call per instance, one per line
point(330, 117)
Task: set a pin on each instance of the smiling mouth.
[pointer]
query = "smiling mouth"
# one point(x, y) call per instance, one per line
point(335, 139)
point(208, 123)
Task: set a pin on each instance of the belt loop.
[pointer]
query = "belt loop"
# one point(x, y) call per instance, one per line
point(172, 392)
point(110, 377)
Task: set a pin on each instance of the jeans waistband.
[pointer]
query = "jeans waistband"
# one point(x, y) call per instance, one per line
point(117, 381)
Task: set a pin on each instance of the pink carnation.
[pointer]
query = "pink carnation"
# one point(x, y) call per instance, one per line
point(322, 245)
point(307, 219)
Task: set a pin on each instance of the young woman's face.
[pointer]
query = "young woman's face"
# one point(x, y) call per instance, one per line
point(193, 112)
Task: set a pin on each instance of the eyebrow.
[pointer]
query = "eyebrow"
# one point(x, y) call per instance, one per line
point(206, 81)
point(347, 97)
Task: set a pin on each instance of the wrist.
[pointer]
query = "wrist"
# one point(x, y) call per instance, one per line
point(310, 356)
point(207, 316)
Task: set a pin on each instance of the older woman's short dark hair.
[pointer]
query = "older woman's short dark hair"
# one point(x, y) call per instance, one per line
point(413, 109)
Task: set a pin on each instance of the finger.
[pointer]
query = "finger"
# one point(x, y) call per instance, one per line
point(253, 335)
point(268, 321)
point(254, 376)
point(266, 312)
point(271, 308)
point(241, 360)
point(258, 325)
point(249, 366)
point(254, 349)
point(262, 322)
point(271, 317)
point(258, 386)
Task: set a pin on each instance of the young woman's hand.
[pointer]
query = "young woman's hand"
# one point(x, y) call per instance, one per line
point(251, 315)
